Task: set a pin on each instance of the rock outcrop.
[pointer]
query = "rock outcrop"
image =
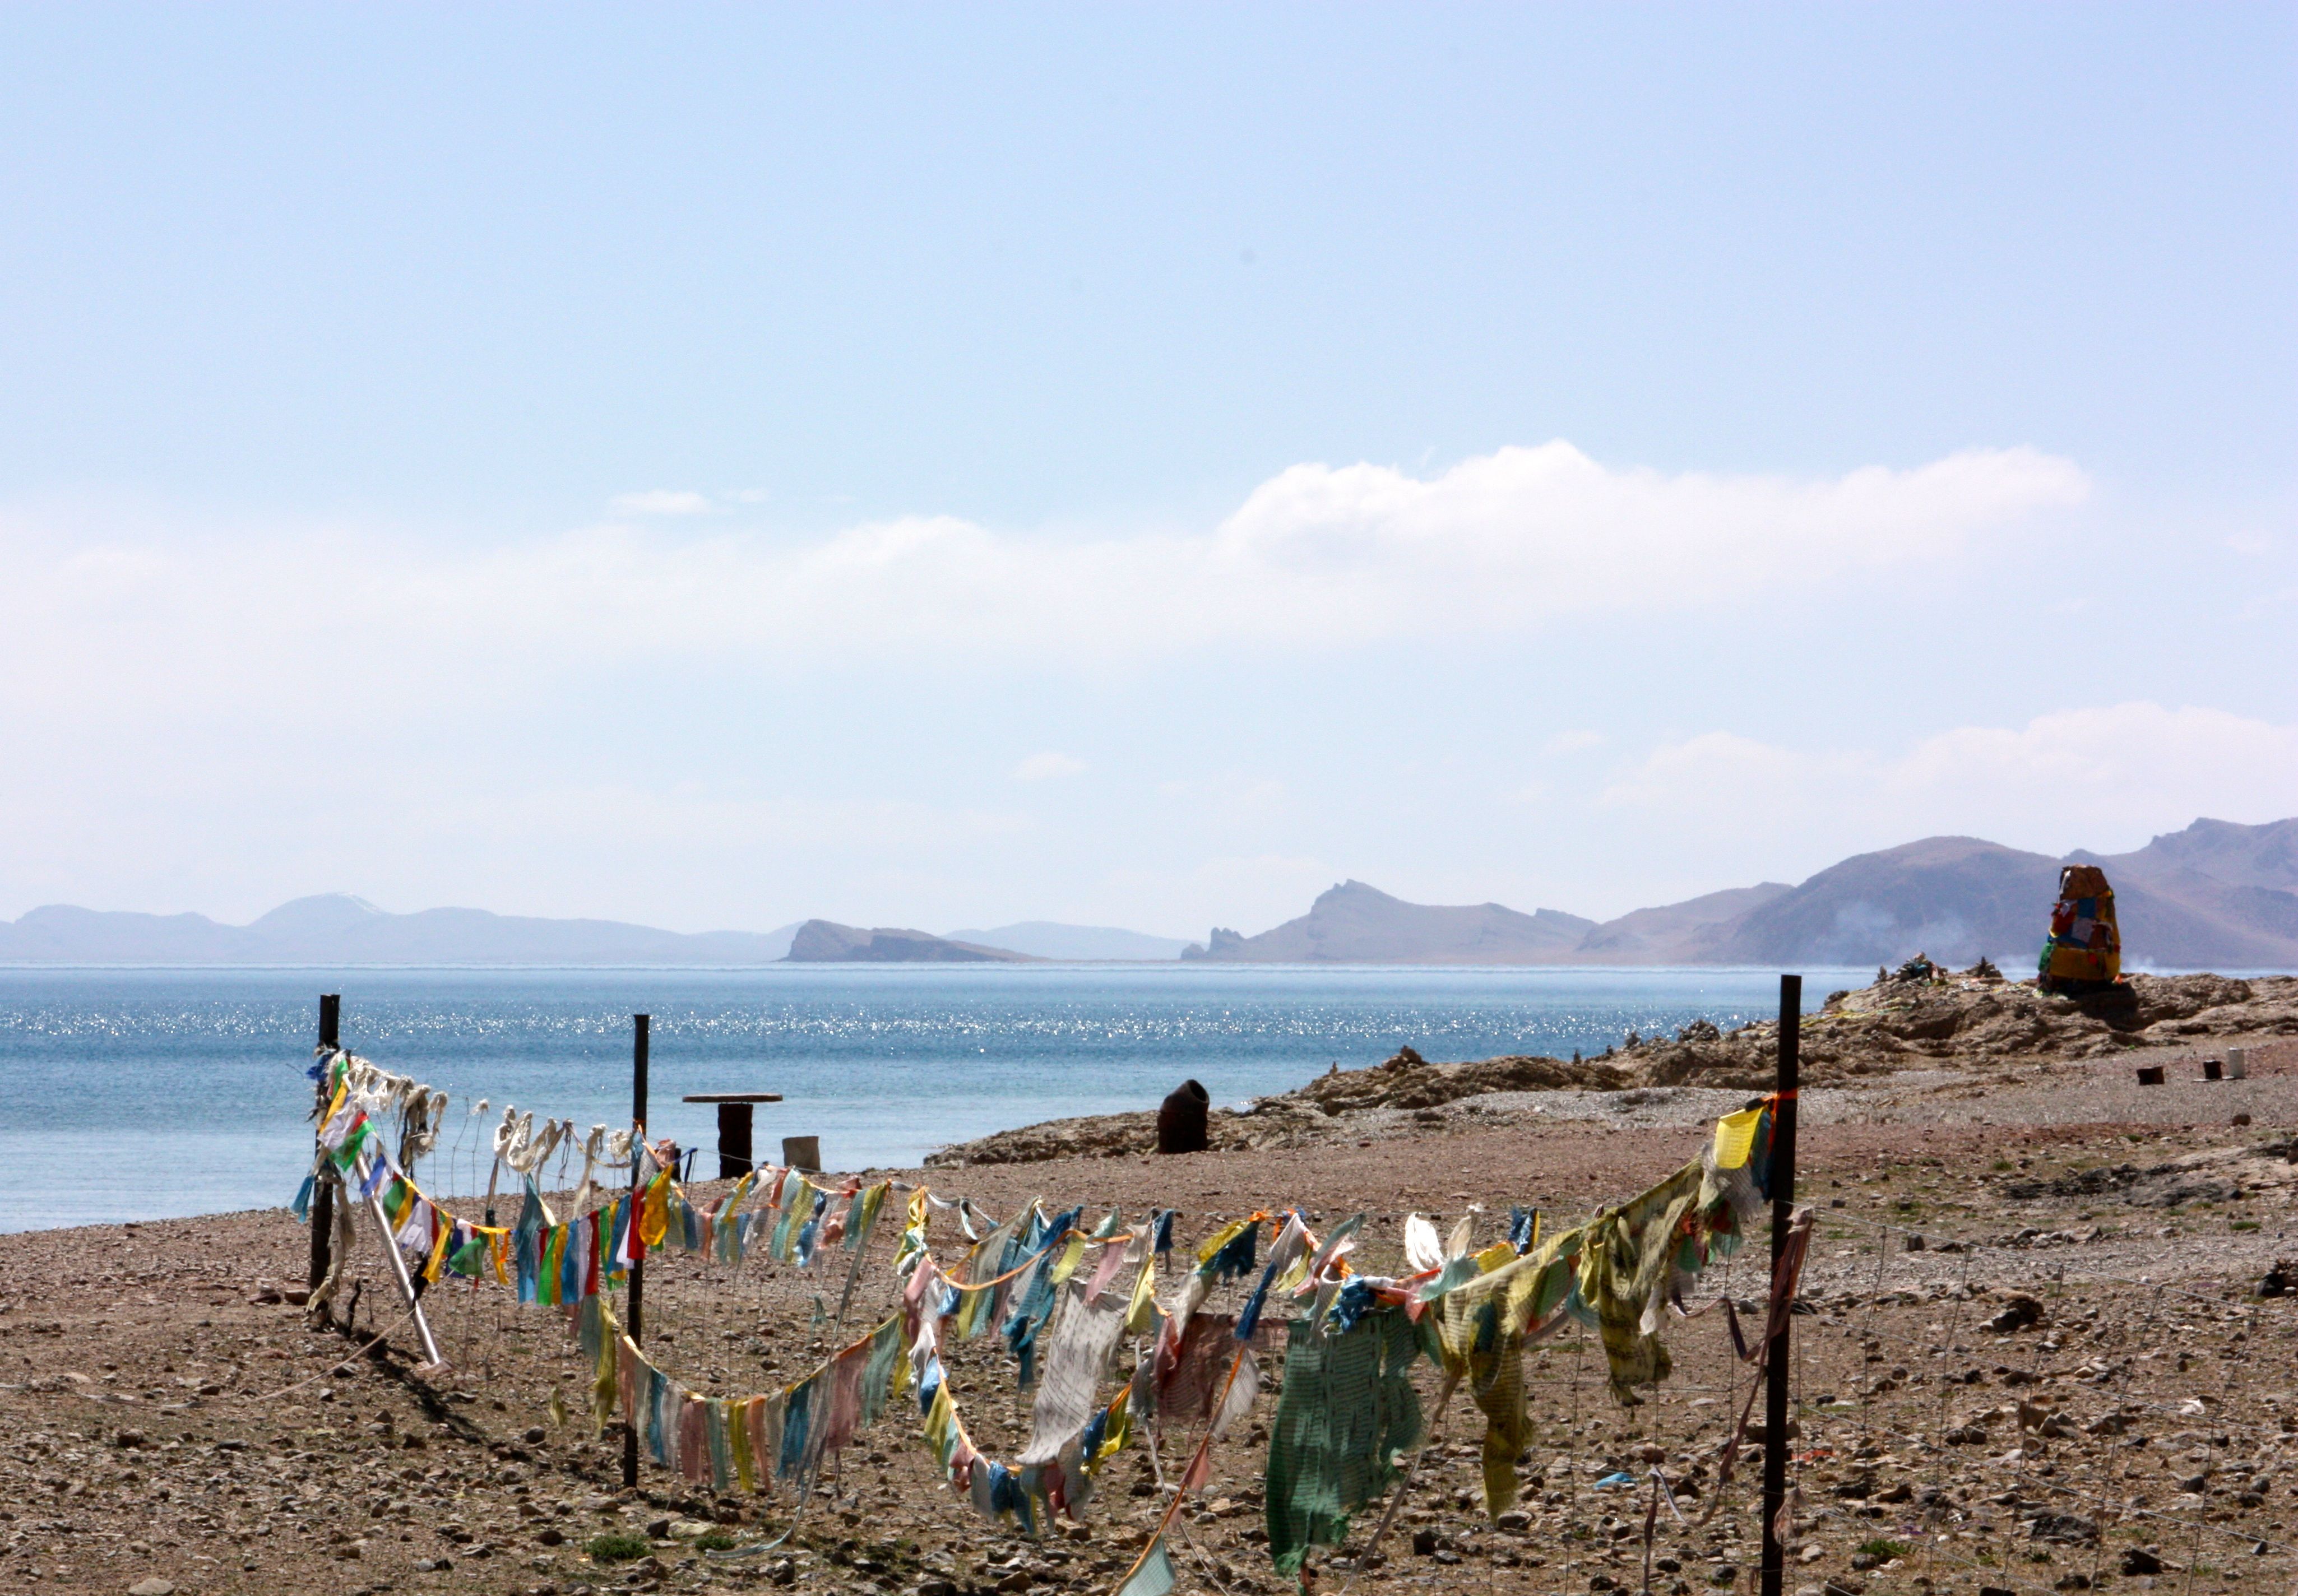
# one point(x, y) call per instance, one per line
point(1919, 1017)
point(826, 942)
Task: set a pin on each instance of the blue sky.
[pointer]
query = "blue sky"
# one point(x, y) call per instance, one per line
point(715, 465)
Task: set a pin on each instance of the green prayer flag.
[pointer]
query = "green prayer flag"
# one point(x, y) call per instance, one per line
point(1347, 1412)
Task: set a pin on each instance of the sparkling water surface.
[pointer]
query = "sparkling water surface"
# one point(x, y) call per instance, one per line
point(145, 1093)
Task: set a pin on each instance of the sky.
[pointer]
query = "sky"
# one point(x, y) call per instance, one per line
point(1139, 465)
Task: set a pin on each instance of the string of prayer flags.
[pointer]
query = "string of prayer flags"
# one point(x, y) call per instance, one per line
point(748, 1441)
point(1071, 1438)
point(1346, 1414)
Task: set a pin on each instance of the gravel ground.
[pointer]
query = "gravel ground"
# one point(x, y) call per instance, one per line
point(2134, 1416)
point(2091, 1091)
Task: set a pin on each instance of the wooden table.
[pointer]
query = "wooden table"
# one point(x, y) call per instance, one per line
point(733, 1127)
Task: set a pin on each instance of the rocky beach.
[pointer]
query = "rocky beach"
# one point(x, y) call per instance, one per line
point(2045, 1343)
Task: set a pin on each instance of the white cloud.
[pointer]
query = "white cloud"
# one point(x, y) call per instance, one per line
point(1047, 766)
point(2105, 778)
point(1524, 533)
point(1316, 558)
point(1322, 557)
point(215, 715)
point(661, 501)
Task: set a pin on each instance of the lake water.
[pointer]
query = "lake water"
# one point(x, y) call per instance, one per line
point(145, 1093)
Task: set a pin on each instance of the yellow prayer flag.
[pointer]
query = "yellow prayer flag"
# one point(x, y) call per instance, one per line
point(941, 1421)
point(654, 1211)
point(1222, 1238)
point(438, 1246)
point(738, 1433)
point(1120, 1428)
point(1140, 1312)
point(1735, 1139)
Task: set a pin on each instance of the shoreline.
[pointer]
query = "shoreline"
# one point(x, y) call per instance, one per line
point(2021, 1249)
point(151, 1333)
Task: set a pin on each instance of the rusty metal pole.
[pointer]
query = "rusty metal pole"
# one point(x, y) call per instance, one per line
point(1775, 1357)
point(637, 1303)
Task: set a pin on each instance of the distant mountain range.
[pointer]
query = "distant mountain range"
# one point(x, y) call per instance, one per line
point(2216, 894)
point(1356, 924)
point(338, 929)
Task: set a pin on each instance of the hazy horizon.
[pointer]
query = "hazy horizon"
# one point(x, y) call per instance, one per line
point(712, 468)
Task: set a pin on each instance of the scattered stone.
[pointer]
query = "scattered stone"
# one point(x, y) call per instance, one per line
point(2020, 1312)
point(2067, 1529)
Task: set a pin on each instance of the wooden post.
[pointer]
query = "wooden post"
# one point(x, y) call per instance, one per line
point(637, 1303)
point(1775, 1358)
point(323, 1191)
